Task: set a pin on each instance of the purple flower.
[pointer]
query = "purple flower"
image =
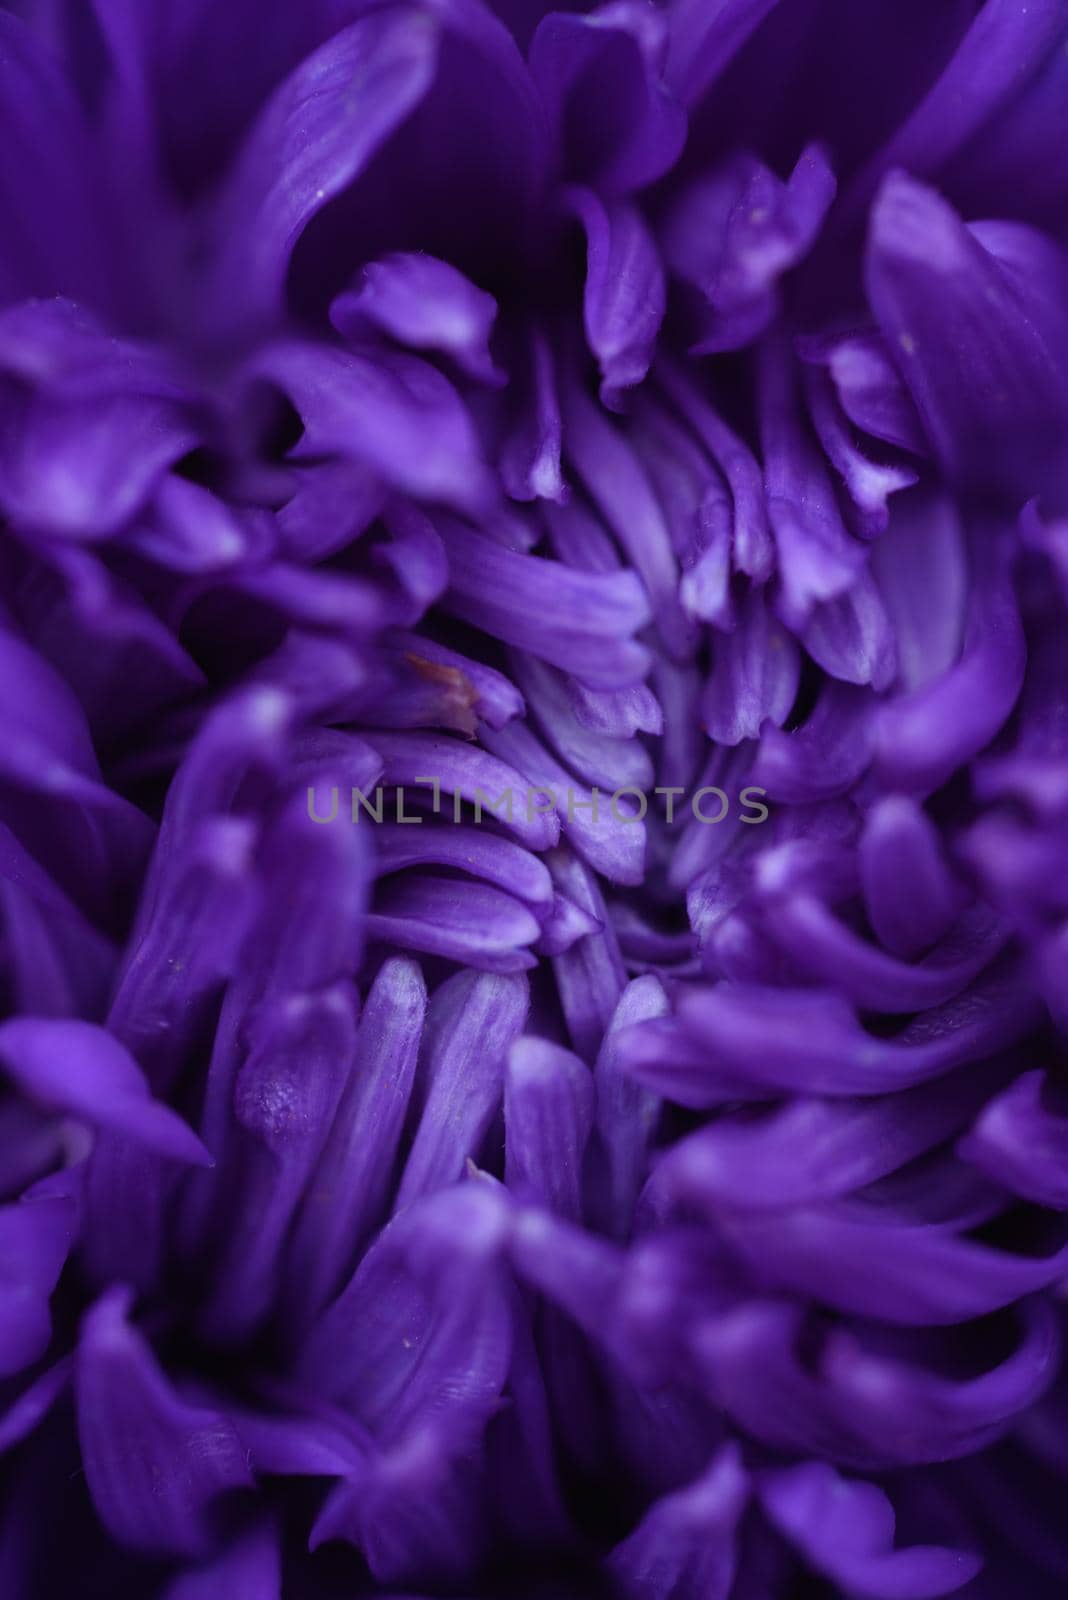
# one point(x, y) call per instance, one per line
point(533, 799)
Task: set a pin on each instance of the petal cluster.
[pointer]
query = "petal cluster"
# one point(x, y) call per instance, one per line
point(533, 795)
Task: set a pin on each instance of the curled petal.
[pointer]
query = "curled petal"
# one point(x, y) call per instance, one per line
point(846, 1529)
point(870, 482)
point(319, 130)
point(868, 387)
point(926, 1275)
point(487, 694)
point(471, 923)
point(82, 1071)
point(600, 76)
point(474, 851)
point(155, 1465)
point(477, 777)
point(817, 558)
point(603, 759)
point(809, 1040)
point(530, 456)
point(910, 892)
point(301, 1053)
point(1021, 1140)
point(625, 295)
point(924, 736)
point(809, 1149)
point(395, 413)
point(771, 227)
point(826, 951)
point(826, 755)
point(618, 484)
point(976, 322)
point(580, 621)
point(425, 304)
point(753, 546)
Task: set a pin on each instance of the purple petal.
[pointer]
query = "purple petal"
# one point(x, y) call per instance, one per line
point(582, 622)
point(704, 40)
point(755, 672)
point(868, 387)
point(1020, 1141)
point(154, 1464)
point(319, 131)
point(425, 304)
point(488, 694)
point(811, 1041)
point(598, 758)
point(470, 923)
point(921, 566)
point(976, 322)
point(349, 1187)
point(753, 550)
point(922, 737)
point(771, 227)
point(870, 482)
point(926, 1275)
point(609, 834)
point(422, 1335)
point(250, 1568)
point(825, 756)
point(301, 1051)
point(994, 107)
point(617, 483)
point(590, 976)
point(35, 1237)
point(625, 297)
point(56, 248)
point(846, 1530)
point(530, 455)
point(473, 774)
point(392, 412)
point(548, 1114)
point(471, 1022)
point(808, 1149)
point(600, 75)
point(626, 1115)
point(684, 1547)
point(817, 559)
point(911, 895)
point(82, 1071)
point(474, 851)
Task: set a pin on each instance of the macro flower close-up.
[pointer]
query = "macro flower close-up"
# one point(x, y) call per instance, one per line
point(533, 799)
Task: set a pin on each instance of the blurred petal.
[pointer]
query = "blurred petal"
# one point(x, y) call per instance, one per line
point(976, 321)
point(846, 1530)
point(155, 1465)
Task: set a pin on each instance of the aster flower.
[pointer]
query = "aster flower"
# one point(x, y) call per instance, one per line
point(532, 798)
